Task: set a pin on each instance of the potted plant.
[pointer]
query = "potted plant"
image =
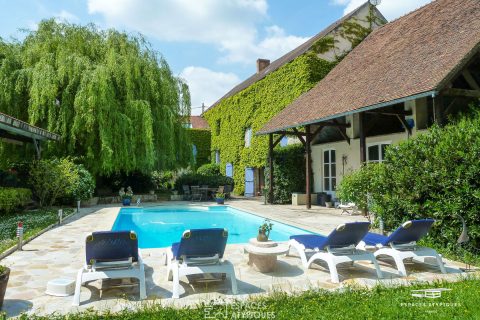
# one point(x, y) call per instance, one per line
point(264, 231)
point(126, 196)
point(4, 275)
point(220, 198)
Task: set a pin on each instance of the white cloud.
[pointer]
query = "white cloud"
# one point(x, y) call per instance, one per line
point(391, 9)
point(230, 25)
point(65, 16)
point(207, 86)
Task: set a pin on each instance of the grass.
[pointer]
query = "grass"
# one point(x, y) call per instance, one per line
point(352, 303)
point(33, 222)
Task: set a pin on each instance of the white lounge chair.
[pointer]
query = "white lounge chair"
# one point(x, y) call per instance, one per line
point(111, 255)
point(338, 247)
point(200, 251)
point(349, 208)
point(402, 244)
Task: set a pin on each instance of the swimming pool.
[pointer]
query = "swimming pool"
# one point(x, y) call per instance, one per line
point(159, 227)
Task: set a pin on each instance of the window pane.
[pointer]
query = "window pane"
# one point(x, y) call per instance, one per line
point(333, 170)
point(384, 146)
point(326, 170)
point(373, 153)
point(326, 157)
point(332, 157)
point(326, 185)
point(334, 184)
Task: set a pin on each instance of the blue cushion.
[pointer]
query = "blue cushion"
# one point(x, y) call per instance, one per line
point(351, 234)
point(373, 239)
point(417, 230)
point(310, 241)
point(201, 243)
point(111, 246)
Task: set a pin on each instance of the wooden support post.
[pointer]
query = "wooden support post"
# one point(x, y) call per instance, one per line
point(308, 165)
point(438, 110)
point(270, 164)
point(362, 136)
point(38, 148)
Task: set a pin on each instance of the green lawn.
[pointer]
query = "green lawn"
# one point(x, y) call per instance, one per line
point(33, 222)
point(462, 302)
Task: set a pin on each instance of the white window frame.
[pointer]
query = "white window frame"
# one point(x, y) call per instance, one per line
point(217, 156)
point(248, 137)
point(379, 144)
point(330, 163)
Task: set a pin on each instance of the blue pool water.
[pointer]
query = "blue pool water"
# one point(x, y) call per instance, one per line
point(159, 227)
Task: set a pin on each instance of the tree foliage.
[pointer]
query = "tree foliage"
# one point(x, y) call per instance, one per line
point(114, 100)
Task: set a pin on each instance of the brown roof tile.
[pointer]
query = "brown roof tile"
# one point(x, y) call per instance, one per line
point(412, 55)
point(198, 122)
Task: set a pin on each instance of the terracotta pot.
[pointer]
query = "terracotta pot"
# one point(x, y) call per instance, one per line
point(3, 285)
point(262, 236)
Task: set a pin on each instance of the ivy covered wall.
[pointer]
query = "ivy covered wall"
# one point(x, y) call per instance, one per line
point(201, 139)
point(255, 106)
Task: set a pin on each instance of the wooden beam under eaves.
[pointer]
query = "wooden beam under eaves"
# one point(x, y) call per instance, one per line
point(461, 93)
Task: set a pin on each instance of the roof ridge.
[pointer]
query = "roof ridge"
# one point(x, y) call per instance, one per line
point(307, 44)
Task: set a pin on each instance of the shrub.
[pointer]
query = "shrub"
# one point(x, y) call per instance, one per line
point(52, 179)
point(209, 169)
point(289, 173)
point(14, 198)
point(433, 175)
point(163, 180)
point(85, 185)
point(362, 186)
point(198, 180)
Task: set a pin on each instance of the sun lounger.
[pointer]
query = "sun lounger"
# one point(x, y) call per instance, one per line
point(200, 251)
point(402, 244)
point(111, 255)
point(338, 247)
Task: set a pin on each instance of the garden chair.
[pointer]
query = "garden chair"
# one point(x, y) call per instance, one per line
point(187, 195)
point(402, 244)
point(349, 208)
point(197, 194)
point(111, 255)
point(227, 189)
point(338, 247)
point(200, 251)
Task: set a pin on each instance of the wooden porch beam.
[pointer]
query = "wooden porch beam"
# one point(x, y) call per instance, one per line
point(390, 113)
point(462, 93)
point(470, 80)
point(405, 124)
point(300, 136)
point(308, 166)
point(278, 140)
point(343, 134)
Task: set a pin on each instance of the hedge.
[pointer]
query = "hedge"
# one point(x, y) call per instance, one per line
point(254, 107)
point(209, 169)
point(14, 198)
point(201, 139)
point(289, 173)
point(433, 175)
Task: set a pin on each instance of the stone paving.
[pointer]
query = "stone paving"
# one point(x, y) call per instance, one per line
point(60, 253)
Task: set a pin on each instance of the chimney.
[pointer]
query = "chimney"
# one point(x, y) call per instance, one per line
point(262, 64)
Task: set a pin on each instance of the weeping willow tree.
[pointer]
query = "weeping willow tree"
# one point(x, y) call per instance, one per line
point(114, 100)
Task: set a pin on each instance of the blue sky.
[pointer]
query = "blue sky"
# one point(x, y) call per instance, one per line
point(212, 44)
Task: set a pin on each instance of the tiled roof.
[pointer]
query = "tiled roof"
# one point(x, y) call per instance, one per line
point(413, 55)
point(288, 57)
point(198, 122)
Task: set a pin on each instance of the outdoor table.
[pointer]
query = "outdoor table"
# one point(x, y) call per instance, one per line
point(205, 191)
point(263, 255)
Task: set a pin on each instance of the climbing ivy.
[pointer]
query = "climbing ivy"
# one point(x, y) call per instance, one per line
point(201, 139)
point(113, 100)
point(255, 106)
